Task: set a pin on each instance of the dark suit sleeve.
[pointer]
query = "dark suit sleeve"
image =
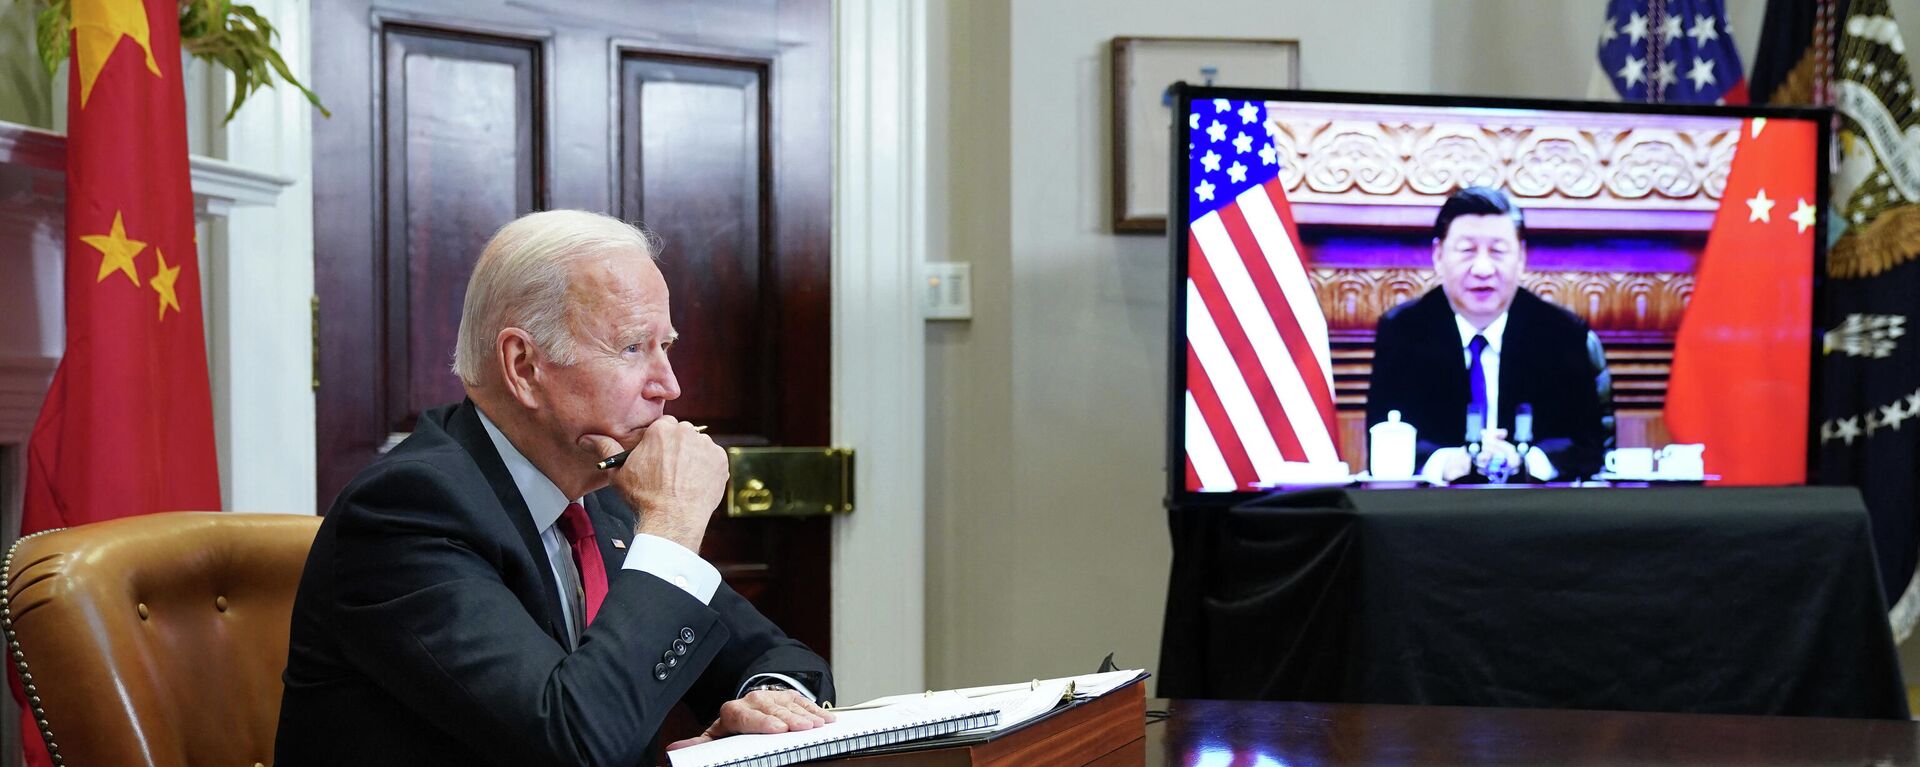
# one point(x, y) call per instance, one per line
point(757, 647)
point(422, 601)
point(1392, 384)
point(1579, 439)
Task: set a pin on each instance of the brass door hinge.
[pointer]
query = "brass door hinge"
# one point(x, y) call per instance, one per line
point(316, 341)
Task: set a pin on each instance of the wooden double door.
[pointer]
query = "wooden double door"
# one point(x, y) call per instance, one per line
point(707, 120)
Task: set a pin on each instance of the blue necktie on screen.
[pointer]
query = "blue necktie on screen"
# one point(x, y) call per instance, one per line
point(1477, 375)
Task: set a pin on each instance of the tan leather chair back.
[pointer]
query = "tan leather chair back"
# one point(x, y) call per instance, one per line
point(157, 640)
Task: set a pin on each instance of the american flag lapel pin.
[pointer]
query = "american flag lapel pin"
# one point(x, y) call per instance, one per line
point(619, 544)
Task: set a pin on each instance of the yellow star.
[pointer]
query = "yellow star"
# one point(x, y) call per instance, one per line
point(1804, 215)
point(98, 26)
point(1760, 208)
point(163, 284)
point(116, 250)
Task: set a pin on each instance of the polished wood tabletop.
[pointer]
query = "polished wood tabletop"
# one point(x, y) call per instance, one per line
point(1248, 733)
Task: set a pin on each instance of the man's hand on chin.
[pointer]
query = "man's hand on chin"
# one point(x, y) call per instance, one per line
point(761, 711)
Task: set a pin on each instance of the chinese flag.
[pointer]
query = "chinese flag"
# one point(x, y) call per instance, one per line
point(1740, 362)
point(127, 427)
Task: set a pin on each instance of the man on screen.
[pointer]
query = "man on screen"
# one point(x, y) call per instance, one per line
point(1481, 343)
point(486, 593)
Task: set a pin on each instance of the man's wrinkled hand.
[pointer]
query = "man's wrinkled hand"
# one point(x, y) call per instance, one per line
point(762, 711)
point(674, 478)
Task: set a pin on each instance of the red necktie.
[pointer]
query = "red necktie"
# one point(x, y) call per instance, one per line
point(578, 529)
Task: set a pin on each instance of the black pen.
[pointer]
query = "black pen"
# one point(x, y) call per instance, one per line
point(614, 461)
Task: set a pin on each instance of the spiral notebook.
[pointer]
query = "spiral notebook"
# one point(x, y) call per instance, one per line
point(925, 717)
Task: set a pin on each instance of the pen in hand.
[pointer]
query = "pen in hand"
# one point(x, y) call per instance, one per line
point(614, 461)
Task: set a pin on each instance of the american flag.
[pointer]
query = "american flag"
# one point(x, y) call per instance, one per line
point(1676, 51)
point(1259, 375)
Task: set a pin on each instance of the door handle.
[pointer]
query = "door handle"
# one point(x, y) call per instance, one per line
point(789, 481)
point(755, 498)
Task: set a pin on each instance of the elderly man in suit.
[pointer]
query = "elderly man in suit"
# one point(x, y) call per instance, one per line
point(485, 594)
point(1481, 343)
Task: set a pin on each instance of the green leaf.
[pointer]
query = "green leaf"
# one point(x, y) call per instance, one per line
point(53, 34)
point(237, 38)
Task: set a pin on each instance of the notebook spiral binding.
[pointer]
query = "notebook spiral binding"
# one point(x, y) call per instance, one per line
point(870, 739)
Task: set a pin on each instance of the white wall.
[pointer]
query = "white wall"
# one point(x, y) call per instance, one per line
point(1047, 542)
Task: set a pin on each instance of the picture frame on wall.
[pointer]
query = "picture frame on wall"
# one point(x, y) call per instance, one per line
point(1144, 68)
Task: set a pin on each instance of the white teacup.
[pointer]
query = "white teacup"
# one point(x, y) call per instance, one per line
point(1630, 461)
point(1683, 461)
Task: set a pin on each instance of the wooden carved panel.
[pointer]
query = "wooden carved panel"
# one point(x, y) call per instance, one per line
point(459, 119)
point(695, 167)
point(1342, 154)
point(1354, 299)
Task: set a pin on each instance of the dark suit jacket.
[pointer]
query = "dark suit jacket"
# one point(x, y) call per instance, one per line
point(1548, 358)
point(427, 628)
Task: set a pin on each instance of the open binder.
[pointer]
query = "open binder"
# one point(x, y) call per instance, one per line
point(910, 722)
point(926, 717)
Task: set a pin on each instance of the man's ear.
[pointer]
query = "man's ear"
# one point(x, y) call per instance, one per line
point(1436, 254)
point(516, 355)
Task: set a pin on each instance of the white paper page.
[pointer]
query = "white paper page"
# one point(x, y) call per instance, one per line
point(1085, 685)
point(1019, 706)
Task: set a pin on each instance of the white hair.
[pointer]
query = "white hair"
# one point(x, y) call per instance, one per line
point(522, 278)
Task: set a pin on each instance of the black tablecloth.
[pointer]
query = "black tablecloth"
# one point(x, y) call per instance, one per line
point(1712, 600)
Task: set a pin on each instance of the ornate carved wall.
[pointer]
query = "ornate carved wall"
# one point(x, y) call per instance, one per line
point(1353, 299)
point(1339, 154)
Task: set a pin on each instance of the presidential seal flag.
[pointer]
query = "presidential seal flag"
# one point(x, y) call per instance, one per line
point(127, 426)
point(1869, 431)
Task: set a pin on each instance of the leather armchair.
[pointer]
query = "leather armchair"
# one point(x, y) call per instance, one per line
point(156, 640)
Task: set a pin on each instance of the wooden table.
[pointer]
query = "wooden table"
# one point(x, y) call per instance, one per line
point(1224, 733)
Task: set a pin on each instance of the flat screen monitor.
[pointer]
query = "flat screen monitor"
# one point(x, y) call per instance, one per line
point(1461, 290)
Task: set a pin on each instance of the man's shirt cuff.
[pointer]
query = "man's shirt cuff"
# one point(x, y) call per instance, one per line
point(673, 563)
point(758, 679)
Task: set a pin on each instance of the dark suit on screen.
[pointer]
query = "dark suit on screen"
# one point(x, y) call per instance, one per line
point(1549, 359)
point(428, 629)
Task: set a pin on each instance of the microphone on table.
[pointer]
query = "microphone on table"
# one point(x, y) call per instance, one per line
point(1476, 424)
point(1523, 439)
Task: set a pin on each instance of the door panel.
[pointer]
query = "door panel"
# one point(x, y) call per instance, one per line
point(694, 168)
point(459, 116)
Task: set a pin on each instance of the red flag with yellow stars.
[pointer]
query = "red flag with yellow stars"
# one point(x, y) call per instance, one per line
point(127, 427)
point(1741, 358)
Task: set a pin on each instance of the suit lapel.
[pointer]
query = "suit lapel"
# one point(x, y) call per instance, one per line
point(465, 428)
point(1445, 345)
point(1514, 354)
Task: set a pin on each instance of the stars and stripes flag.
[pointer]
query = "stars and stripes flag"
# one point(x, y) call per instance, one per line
point(1675, 51)
point(1259, 392)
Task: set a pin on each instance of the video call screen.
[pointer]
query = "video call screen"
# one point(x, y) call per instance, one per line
point(1616, 292)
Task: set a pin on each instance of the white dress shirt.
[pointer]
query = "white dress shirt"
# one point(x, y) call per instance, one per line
point(1537, 462)
point(664, 559)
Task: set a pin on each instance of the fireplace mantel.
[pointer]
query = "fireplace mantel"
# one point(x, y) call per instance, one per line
point(32, 197)
point(218, 186)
